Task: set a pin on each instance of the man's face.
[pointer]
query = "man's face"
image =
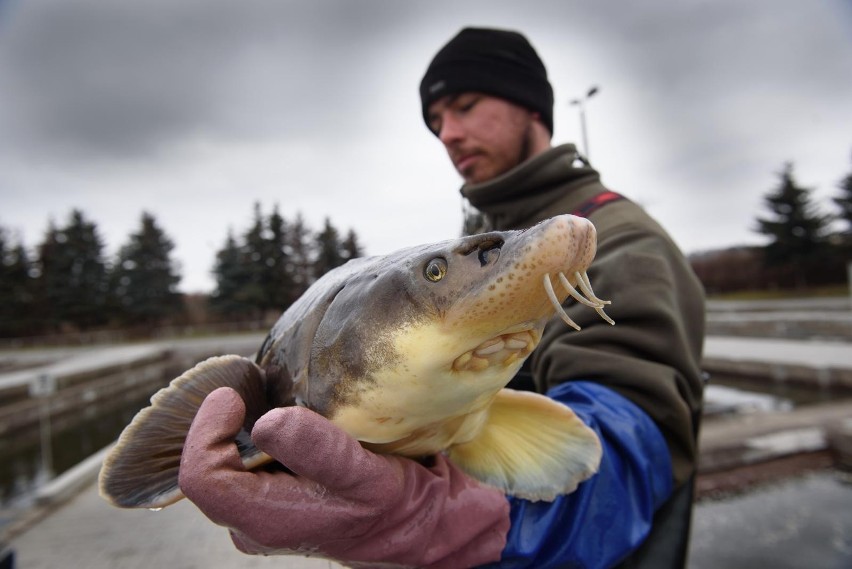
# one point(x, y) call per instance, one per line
point(484, 136)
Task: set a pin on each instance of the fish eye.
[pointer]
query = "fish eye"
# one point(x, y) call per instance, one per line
point(435, 269)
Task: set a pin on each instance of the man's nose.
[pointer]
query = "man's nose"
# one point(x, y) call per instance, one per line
point(451, 130)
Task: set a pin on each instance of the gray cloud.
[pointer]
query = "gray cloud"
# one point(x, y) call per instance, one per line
point(125, 78)
point(192, 109)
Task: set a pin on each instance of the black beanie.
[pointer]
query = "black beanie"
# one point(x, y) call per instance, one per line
point(495, 62)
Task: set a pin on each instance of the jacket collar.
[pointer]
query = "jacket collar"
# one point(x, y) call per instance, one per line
point(512, 199)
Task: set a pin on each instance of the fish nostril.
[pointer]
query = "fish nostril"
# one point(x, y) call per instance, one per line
point(489, 251)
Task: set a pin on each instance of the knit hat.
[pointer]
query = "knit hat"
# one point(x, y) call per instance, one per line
point(495, 62)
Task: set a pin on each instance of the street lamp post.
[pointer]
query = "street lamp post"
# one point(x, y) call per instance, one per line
point(581, 103)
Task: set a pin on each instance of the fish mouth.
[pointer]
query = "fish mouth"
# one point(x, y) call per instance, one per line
point(502, 350)
point(518, 341)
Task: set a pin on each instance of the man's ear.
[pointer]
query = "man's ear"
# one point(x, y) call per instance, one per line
point(541, 133)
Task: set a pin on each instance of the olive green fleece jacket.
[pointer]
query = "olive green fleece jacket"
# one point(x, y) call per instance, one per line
point(652, 354)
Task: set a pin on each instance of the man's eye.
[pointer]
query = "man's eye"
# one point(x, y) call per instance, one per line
point(468, 105)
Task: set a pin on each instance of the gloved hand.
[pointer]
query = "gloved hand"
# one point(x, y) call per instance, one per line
point(342, 502)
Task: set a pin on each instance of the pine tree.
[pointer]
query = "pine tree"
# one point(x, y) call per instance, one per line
point(73, 278)
point(796, 229)
point(144, 278)
point(278, 281)
point(48, 284)
point(299, 249)
point(229, 280)
point(17, 300)
point(273, 263)
point(253, 258)
point(351, 248)
point(844, 202)
point(329, 251)
point(253, 274)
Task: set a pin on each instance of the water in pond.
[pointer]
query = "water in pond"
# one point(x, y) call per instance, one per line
point(735, 395)
point(73, 438)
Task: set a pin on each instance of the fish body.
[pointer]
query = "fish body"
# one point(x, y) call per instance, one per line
point(410, 354)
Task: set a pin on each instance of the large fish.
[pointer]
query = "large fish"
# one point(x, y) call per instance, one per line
point(410, 354)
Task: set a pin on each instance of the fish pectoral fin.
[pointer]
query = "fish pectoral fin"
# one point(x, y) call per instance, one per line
point(531, 447)
point(141, 470)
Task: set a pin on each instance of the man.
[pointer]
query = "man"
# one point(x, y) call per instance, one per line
point(487, 97)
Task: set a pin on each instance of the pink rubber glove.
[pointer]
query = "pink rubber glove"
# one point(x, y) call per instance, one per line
point(344, 502)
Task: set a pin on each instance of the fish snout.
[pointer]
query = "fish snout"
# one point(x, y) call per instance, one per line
point(579, 238)
point(554, 253)
point(569, 242)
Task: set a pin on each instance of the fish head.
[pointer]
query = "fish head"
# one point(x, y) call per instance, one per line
point(435, 331)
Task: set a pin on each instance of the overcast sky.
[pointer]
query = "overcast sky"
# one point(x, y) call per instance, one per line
point(193, 110)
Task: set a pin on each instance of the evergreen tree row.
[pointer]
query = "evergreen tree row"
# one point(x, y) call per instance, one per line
point(66, 284)
point(71, 286)
point(262, 272)
point(804, 249)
